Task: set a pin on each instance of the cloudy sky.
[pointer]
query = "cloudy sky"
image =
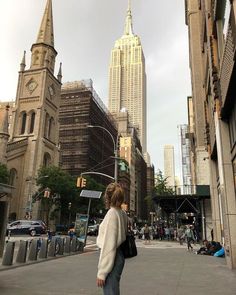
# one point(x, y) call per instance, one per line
point(85, 32)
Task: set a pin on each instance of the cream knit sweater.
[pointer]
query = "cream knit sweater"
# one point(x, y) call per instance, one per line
point(112, 233)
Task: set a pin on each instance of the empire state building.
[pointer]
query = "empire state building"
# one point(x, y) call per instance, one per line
point(127, 79)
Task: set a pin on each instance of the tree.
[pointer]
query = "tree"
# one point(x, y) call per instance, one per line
point(60, 188)
point(161, 186)
point(4, 174)
point(63, 191)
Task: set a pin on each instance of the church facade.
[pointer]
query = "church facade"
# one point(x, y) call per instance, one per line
point(33, 138)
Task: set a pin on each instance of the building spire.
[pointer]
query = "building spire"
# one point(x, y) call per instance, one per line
point(22, 65)
point(128, 21)
point(4, 135)
point(59, 75)
point(45, 34)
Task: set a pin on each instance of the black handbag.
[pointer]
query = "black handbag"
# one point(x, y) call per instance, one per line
point(128, 247)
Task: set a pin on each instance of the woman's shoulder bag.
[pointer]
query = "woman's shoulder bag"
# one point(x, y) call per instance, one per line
point(128, 247)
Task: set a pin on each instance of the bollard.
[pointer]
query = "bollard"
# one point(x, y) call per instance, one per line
point(8, 254)
point(81, 246)
point(52, 247)
point(33, 250)
point(22, 252)
point(43, 252)
point(67, 245)
point(73, 244)
point(60, 246)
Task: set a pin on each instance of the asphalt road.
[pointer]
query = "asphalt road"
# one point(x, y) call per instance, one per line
point(157, 270)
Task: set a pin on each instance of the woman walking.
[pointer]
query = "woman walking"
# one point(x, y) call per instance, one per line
point(112, 233)
point(190, 237)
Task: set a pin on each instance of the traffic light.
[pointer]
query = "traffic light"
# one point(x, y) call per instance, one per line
point(81, 182)
point(47, 193)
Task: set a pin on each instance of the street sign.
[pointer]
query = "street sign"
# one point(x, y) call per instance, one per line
point(91, 194)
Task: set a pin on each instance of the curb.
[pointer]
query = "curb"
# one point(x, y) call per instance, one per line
point(17, 265)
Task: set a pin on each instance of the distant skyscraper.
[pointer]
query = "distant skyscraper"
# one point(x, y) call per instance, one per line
point(169, 165)
point(127, 79)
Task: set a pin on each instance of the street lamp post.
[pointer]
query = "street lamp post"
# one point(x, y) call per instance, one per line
point(114, 147)
point(69, 208)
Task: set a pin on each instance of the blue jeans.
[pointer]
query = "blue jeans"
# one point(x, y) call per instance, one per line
point(112, 284)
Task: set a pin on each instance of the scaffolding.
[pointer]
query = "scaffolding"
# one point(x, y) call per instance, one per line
point(186, 159)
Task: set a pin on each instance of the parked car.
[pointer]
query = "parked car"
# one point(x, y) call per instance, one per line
point(29, 227)
point(93, 230)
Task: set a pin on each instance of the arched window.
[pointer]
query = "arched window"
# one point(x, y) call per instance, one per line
point(12, 178)
point(46, 160)
point(32, 120)
point(23, 122)
point(46, 125)
point(50, 128)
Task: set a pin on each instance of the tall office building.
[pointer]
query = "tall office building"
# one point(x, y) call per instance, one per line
point(169, 165)
point(127, 79)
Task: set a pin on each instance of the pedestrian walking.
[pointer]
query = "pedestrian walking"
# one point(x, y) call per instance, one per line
point(146, 232)
point(112, 233)
point(189, 236)
point(167, 233)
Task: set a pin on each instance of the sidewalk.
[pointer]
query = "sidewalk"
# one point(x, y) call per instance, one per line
point(157, 270)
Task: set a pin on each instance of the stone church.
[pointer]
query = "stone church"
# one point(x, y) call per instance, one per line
point(32, 141)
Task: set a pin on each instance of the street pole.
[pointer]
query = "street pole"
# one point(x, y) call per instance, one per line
point(88, 211)
point(116, 166)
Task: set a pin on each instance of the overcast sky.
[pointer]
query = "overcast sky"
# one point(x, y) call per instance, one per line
point(85, 32)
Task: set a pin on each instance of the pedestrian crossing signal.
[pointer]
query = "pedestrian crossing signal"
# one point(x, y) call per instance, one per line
point(81, 182)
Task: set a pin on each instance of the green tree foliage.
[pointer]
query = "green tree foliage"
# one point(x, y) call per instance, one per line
point(63, 190)
point(4, 174)
point(161, 186)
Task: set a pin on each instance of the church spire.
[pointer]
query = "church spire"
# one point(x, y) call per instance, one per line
point(22, 65)
point(43, 51)
point(45, 34)
point(4, 135)
point(59, 75)
point(128, 21)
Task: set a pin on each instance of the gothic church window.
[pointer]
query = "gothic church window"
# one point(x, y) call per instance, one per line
point(51, 128)
point(46, 160)
point(46, 125)
point(23, 122)
point(32, 120)
point(12, 178)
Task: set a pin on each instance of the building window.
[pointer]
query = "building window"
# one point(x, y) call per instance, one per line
point(46, 125)
point(46, 160)
point(12, 178)
point(51, 128)
point(32, 120)
point(23, 122)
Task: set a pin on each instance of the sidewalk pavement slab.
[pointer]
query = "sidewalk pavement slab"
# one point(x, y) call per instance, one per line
point(155, 271)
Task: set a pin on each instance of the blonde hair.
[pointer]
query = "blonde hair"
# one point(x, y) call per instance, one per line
point(114, 195)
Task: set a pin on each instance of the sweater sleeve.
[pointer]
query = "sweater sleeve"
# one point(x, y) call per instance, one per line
point(108, 250)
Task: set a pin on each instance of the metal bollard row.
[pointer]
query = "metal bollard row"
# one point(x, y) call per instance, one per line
point(41, 249)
